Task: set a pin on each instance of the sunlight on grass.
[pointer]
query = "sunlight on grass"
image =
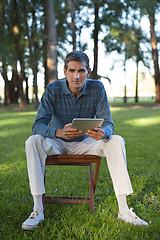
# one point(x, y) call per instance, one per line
point(116, 109)
point(143, 121)
point(13, 123)
point(9, 122)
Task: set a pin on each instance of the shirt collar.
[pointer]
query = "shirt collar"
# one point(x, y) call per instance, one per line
point(66, 90)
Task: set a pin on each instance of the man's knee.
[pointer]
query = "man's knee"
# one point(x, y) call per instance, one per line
point(33, 140)
point(116, 139)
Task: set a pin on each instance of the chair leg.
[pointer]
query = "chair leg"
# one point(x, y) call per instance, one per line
point(43, 196)
point(43, 201)
point(91, 187)
point(96, 171)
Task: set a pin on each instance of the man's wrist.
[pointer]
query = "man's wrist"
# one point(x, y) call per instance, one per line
point(58, 133)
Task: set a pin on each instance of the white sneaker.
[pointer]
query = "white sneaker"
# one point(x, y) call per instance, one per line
point(131, 217)
point(34, 219)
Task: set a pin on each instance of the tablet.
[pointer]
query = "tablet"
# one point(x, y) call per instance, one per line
point(84, 124)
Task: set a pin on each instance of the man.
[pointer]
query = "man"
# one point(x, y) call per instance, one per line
point(63, 100)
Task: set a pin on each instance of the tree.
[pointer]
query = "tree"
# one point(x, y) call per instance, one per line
point(150, 8)
point(77, 19)
point(14, 47)
point(51, 42)
point(72, 25)
point(155, 55)
point(96, 30)
point(8, 58)
point(31, 30)
point(119, 39)
point(137, 54)
point(19, 53)
point(126, 37)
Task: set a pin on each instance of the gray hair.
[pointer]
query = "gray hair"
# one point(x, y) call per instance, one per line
point(76, 56)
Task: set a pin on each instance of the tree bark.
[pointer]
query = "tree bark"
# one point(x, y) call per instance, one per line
point(136, 92)
point(73, 26)
point(94, 73)
point(52, 42)
point(125, 84)
point(33, 62)
point(155, 56)
point(6, 81)
point(10, 86)
point(19, 56)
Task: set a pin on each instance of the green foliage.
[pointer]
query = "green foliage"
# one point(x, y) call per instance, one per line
point(117, 27)
point(139, 126)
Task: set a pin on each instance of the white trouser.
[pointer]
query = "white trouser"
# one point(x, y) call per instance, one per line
point(38, 147)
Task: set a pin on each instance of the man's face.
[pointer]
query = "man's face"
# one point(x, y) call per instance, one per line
point(76, 74)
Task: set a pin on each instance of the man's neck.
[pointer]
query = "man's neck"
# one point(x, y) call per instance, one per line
point(77, 92)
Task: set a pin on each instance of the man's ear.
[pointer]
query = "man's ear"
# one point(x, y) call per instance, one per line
point(89, 72)
point(65, 71)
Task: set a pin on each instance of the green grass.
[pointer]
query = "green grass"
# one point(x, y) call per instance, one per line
point(141, 129)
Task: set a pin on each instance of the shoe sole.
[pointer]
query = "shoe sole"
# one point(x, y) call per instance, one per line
point(28, 228)
point(141, 225)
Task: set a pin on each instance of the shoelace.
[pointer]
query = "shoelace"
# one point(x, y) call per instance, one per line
point(132, 214)
point(35, 213)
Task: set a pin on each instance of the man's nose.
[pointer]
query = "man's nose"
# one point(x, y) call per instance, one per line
point(77, 75)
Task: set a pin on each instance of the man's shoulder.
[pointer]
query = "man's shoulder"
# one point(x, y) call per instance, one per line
point(94, 83)
point(54, 86)
point(57, 83)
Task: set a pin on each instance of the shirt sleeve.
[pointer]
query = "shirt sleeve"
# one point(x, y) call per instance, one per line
point(103, 111)
point(44, 114)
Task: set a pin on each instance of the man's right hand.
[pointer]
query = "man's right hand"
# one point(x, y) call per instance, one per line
point(67, 132)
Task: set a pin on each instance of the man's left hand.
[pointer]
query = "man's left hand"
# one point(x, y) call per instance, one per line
point(96, 134)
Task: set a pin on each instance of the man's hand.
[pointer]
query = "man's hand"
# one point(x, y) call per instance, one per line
point(96, 134)
point(67, 132)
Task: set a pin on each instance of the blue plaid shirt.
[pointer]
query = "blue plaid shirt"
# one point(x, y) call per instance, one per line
point(59, 106)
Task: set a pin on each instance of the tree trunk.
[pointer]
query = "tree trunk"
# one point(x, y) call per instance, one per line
point(136, 92)
point(6, 82)
point(73, 26)
point(45, 48)
point(155, 57)
point(33, 63)
point(45, 72)
point(10, 87)
point(19, 56)
point(125, 84)
point(94, 73)
point(27, 91)
point(52, 42)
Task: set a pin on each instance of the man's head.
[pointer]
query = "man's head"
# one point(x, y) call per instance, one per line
point(78, 56)
point(76, 70)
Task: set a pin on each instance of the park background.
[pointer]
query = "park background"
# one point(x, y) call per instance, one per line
point(121, 38)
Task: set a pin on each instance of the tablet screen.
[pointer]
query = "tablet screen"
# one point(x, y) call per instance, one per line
point(84, 124)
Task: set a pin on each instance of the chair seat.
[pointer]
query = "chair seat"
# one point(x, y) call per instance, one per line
point(75, 160)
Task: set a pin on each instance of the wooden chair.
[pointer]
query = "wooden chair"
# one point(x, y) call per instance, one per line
point(75, 160)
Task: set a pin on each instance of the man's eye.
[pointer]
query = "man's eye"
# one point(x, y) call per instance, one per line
point(71, 70)
point(82, 70)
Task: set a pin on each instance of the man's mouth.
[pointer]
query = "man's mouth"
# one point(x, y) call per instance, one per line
point(77, 81)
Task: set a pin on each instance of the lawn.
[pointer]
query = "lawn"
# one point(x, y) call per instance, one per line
point(140, 126)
